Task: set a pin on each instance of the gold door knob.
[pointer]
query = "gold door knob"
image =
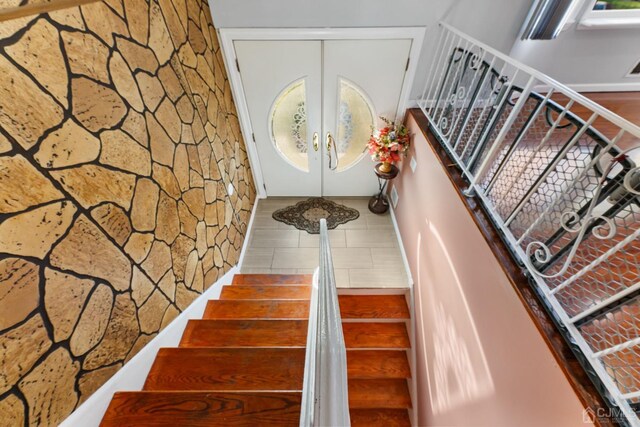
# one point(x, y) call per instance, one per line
point(316, 141)
point(331, 144)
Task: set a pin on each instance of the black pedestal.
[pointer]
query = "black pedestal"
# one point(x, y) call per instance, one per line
point(379, 204)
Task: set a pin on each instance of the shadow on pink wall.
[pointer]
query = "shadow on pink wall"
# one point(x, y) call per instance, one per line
point(480, 359)
point(458, 372)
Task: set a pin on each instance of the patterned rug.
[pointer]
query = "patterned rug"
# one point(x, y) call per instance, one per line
point(306, 215)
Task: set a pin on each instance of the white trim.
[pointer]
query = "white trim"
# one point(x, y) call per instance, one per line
point(247, 236)
point(405, 260)
point(605, 87)
point(603, 23)
point(227, 37)
point(608, 19)
point(595, 87)
point(134, 373)
point(237, 93)
point(370, 291)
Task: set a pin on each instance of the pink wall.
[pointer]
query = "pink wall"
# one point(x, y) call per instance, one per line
point(480, 359)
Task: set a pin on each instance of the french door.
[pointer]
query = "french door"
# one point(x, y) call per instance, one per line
point(312, 105)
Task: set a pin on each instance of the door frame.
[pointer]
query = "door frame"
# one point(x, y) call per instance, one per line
point(229, 35)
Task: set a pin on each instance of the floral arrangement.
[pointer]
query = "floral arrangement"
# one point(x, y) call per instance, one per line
point(390, 143)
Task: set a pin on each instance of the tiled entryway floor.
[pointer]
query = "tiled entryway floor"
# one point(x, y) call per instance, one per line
point(365, 251)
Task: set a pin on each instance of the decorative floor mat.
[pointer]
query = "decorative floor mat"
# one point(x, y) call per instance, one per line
point(306, 215)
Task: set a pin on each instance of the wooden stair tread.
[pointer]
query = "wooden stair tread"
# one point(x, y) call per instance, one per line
point(257, 309)
point(245, 333)
point(227, 369)
point(371, 364)
point(272, 279)
point(379, 418)
point(373, 307)
point(268, 292)
point(380, 393)
point(198, 409)
point(375, 335)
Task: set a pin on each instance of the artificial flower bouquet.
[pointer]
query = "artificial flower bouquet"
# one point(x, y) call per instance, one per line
point(389, 144)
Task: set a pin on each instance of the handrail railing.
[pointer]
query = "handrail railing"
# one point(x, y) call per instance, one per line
point(325, 400)
point(558, 176)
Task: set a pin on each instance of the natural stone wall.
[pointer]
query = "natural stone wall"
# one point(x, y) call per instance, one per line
point(118, 143)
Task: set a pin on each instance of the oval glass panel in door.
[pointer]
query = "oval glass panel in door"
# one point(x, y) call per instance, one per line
point(288, 125)
point(355, 120)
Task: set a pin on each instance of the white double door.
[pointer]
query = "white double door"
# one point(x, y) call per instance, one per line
point(312, 105)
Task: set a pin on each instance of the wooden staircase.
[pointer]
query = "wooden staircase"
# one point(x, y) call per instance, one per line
point(242, 364)
point(375, 334)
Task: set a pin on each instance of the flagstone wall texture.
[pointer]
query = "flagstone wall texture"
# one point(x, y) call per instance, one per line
point(118, 141)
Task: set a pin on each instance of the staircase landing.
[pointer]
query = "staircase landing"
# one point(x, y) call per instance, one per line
point(357, 245)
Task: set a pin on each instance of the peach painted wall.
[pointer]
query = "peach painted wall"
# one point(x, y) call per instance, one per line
point(480, 359)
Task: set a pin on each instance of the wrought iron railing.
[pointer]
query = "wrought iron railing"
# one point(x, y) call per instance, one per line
point(557, 174)
point(325, 400)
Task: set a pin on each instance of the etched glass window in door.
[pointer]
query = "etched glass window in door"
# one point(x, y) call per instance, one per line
point(288, 125)
point(355, 120)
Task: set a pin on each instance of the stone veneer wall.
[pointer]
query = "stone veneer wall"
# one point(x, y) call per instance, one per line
point(118, 141)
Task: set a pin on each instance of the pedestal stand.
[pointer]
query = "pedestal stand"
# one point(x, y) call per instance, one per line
point(379, 203)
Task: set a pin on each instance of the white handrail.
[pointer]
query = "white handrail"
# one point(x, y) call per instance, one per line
point(308, 388)
point(325, 399)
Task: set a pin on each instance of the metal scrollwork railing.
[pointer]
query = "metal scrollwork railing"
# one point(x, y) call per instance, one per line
point(559, 176)
point(325, 400)
point(573, 222)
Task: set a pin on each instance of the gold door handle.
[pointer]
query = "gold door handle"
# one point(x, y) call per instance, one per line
point(331, 144)
point(316, 143)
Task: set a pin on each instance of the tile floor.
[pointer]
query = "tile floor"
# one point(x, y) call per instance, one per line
point(365, 251)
